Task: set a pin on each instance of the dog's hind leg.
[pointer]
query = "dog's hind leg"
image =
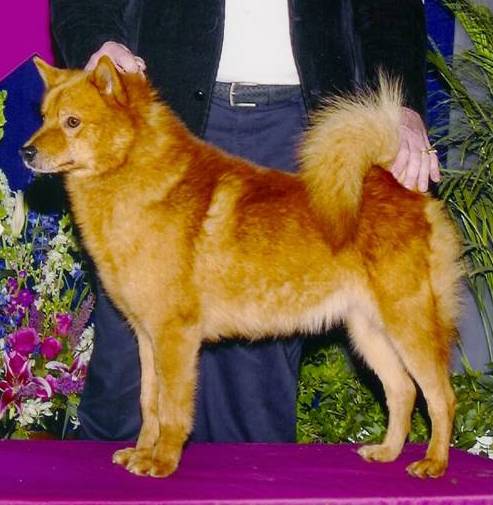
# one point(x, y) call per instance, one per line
point(423, 347)
point(370, 341)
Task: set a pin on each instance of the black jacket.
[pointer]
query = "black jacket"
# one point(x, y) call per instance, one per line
point(337, 44)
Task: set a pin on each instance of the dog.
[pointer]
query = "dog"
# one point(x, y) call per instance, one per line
point(193, 244)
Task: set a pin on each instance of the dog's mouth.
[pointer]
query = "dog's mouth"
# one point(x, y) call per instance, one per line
point(50, 169)
point(64, 166)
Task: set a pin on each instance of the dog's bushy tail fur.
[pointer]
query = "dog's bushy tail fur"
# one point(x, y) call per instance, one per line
point(347, 138)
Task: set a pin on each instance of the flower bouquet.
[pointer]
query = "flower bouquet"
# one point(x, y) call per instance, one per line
point(45, 331)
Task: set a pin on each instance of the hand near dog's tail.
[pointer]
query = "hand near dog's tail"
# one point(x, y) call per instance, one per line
point(348, 137)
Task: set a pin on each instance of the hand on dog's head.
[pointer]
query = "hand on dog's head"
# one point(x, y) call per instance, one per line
point(105, 77)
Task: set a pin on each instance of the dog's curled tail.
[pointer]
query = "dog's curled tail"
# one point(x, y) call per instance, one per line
point(349, 136)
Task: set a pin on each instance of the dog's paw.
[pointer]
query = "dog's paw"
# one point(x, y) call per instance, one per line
point(122, 456)
point(147, 465)
point(163, 467)
point(378, 452)
point(142, 462)
point(427, 468)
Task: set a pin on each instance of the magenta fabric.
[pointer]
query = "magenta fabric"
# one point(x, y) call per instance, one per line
point(25, 31)
point(70, 472)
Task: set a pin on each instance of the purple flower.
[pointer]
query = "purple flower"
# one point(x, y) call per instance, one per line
point(12, 284)
point(52, 381)
point(68, 384)
point(71, 379)
point(24, 340)
point(80, 320)
point(36, 318)
point(50, 348)
point(63, 323)
point(25, 297)
point(11, 308)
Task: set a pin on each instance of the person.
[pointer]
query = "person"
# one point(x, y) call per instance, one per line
point(242, 75)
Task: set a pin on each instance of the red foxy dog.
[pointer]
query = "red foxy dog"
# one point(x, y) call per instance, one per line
point(226, 248)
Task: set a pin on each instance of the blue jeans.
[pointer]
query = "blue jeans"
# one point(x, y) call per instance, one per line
point(246, 392)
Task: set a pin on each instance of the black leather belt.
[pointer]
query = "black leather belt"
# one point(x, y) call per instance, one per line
point(245, 94)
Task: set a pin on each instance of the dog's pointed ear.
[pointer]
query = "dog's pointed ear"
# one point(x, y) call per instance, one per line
point(51, 76)
point(108, 80)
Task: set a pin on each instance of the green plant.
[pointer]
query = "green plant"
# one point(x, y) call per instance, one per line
point(337, 403)
point(467, 184)
point(474, 411)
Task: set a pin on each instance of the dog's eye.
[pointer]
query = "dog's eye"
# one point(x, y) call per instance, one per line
point(72, 122)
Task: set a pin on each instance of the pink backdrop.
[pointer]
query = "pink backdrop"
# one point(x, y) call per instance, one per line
point(24, 31)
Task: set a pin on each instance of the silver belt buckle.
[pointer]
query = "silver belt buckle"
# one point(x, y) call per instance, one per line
point(232, 95)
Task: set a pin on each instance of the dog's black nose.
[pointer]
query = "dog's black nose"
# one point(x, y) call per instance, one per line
point(28, 153)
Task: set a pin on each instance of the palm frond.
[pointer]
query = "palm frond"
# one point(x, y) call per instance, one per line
point(467, 183)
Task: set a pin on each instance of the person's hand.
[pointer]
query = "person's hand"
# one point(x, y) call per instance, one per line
point(416, 162)
point(123, 59)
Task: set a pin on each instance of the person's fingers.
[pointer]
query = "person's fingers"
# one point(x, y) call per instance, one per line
point(126, 62)
point(416, 161)
point(434, 168)
point(400, 162)
point(91, 64)
point(141, 64)
point(409, 177)
point(424, 172)
point(123, 59)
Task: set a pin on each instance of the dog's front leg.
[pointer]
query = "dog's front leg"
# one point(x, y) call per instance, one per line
point(132, 458)
point(176, 360)
point(168, 421)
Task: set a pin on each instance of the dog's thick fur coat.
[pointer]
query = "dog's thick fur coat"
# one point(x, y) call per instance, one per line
point(193, 244)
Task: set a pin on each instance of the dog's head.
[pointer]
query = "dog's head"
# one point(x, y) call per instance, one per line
point(87, 124)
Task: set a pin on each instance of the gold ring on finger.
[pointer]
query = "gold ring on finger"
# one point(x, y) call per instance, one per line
point(430, 150)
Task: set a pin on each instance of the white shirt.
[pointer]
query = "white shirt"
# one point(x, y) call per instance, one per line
point(257, 43)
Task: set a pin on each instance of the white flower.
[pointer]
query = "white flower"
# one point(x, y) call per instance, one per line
point(6, 199)
point(55, 256)
point(75, 422)
point(4, 183)
point(32, 410)
point(483, 445)
point(84, 347)
point(50, 279)
point(59, 239)
point(19, 215)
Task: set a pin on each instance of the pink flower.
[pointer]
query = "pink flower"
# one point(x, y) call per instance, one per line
point(51, 381)
point(50, 348)
point(17, 366)
point(63, 323)
point(19, 382)
point(24, 340)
